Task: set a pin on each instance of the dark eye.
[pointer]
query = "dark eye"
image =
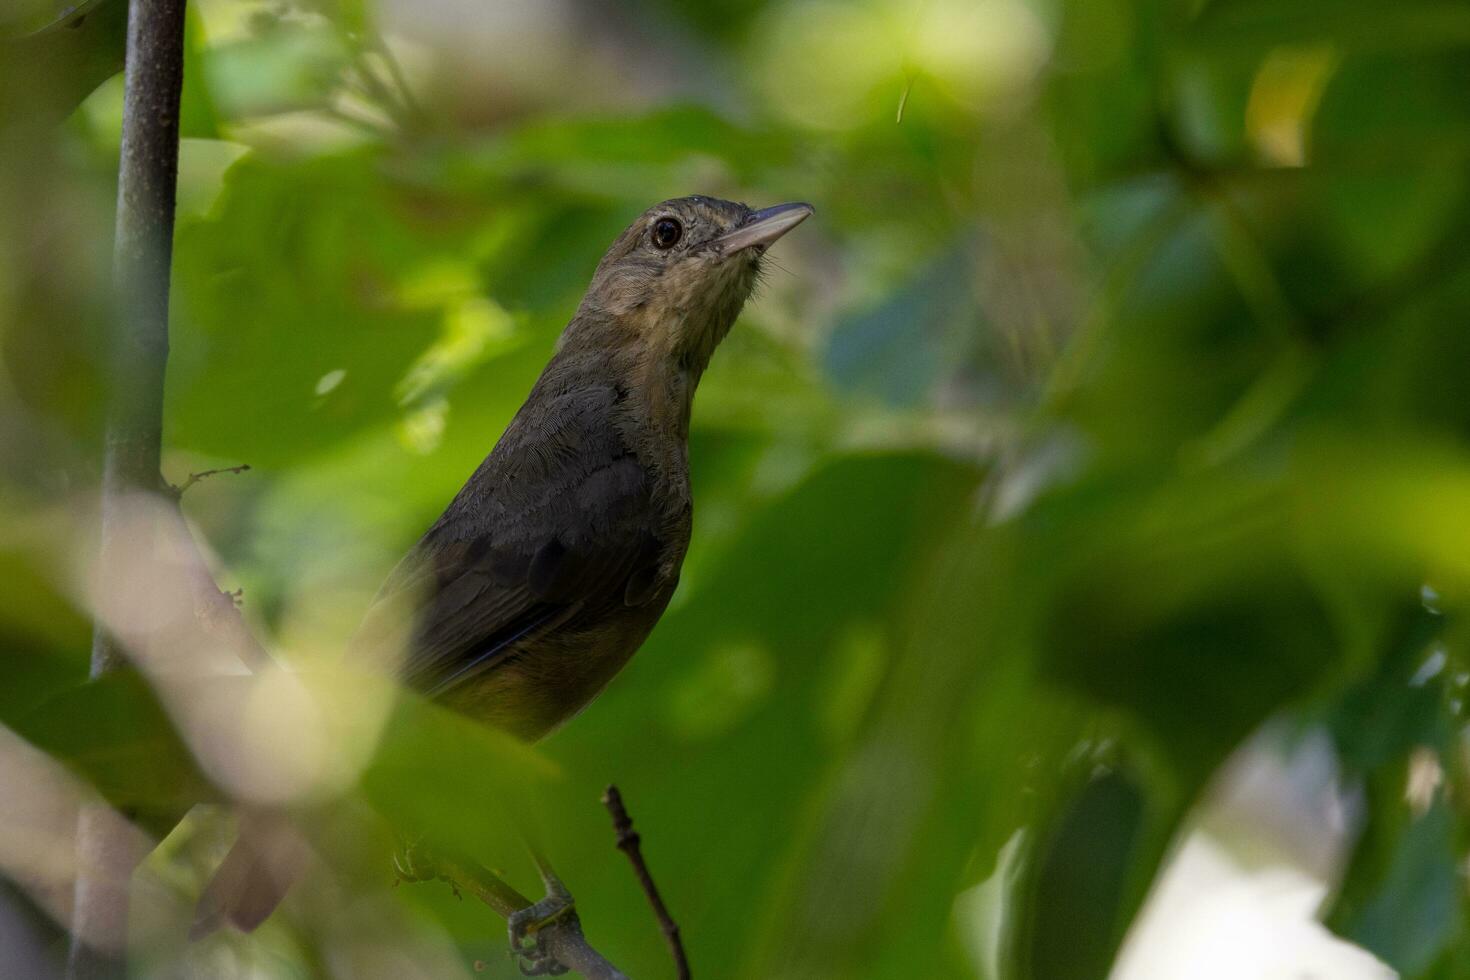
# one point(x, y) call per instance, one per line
point(666, 232)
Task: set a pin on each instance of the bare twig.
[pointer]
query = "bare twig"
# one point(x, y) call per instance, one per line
point(628, 843)
point(178, 491)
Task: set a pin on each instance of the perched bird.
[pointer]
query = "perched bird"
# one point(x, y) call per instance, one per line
point(553, 563)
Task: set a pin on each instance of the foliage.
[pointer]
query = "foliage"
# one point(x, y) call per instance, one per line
point(1111, 410)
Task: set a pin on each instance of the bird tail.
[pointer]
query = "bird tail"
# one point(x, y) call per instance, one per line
point(265, 861)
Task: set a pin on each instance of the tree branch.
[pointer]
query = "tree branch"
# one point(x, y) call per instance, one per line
point(629, 843)
point(143, 251)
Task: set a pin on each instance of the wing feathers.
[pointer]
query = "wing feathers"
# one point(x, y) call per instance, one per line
point(553, 530)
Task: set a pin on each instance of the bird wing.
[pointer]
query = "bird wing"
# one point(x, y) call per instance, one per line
point(552, 532)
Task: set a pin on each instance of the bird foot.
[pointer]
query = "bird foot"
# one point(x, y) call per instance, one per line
point(523, 925)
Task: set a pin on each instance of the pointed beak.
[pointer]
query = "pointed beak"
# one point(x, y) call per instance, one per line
point(763, 227)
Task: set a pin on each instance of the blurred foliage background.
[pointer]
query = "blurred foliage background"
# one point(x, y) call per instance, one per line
point(1087, 491)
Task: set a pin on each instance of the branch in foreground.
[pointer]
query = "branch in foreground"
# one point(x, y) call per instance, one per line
point(143, 249)
point(628, 843)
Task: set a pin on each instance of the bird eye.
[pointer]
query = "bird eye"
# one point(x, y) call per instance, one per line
point(666, 232)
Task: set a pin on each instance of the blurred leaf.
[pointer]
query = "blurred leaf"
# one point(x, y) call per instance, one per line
point(1241, 29)
point(47, 73)
point(1181, 602)
point(1402, 898)
point(794, 583)
point(114, 734)
point(283, 318)
point(455, 781)
point(1379, 720)
point(282, 69)
point(898, 349)
point(1074, 909)
point(198, 116)
point(641, 158)
point(940, 711)
point(1417, 910)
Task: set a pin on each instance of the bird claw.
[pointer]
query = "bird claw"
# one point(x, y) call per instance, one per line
point(412, 862)
point(523, 925)
point(544, 966)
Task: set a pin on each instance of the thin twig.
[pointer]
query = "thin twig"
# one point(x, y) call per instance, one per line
point(628, 843)
point(178, 491)
point(218, 610)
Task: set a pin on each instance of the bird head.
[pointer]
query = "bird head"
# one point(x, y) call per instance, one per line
point(676, 278)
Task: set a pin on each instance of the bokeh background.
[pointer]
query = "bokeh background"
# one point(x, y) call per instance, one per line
point(1082, 537)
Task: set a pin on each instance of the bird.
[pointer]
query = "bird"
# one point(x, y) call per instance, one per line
point(553, 563)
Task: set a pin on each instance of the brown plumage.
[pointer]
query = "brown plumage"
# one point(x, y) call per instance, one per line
point(554, 561)
point(552, 564)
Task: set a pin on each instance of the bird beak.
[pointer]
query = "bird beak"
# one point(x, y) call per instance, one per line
point(763, 227)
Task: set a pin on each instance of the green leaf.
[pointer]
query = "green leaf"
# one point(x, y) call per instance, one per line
point(118, 738)
point(1075, 908)
point(1417, 911)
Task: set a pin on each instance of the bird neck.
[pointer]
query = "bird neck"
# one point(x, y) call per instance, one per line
point(660, 393)
point(654, 370)
point(655, 405)
point(655, 393)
